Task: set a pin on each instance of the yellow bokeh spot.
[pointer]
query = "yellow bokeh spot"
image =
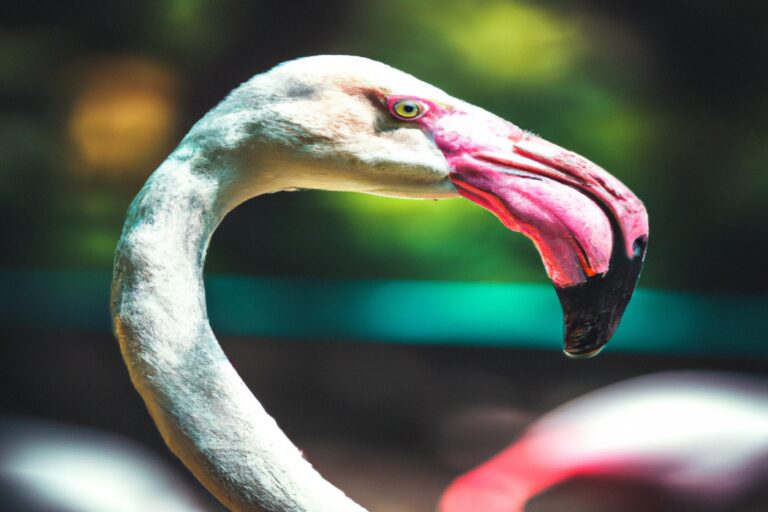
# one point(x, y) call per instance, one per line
point(504, 41)
point(123, 118)
point(514, 41)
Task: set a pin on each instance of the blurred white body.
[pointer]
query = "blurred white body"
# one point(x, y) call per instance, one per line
point(702, 437)
point(57, 467)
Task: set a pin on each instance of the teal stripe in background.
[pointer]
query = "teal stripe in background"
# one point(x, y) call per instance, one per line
point(416, 312)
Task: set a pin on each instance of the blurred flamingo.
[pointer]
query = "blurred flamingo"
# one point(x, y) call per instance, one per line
point(47, 466)
point(685, 441)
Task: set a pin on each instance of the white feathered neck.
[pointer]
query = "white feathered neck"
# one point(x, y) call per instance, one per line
point(312, 123)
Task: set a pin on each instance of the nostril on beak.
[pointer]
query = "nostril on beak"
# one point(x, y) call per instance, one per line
point(639, 245)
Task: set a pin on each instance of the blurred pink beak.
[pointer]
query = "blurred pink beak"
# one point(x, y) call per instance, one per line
point(589, 228)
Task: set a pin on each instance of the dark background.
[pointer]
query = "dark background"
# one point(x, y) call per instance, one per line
point(668, 96)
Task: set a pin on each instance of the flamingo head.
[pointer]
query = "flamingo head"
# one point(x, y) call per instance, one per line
point(352, 124)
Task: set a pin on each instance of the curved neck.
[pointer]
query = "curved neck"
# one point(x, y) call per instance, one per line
point(203, 409)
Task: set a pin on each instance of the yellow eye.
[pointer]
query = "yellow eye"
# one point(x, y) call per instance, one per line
point(407, 109)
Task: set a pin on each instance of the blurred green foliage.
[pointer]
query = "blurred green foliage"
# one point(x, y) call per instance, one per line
point(670, 99)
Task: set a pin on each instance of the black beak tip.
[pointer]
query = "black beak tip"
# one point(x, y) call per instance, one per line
point(588, 331)
point(583, 355)
point(593, 310)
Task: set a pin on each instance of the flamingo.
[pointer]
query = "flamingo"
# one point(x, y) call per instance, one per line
point(49, 466)
point(339, 123)
point(692, 440)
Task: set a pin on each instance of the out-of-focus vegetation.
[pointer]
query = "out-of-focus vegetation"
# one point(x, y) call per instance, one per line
point(668, 97)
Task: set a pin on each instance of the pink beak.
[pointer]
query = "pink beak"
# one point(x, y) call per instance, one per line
point(589, 228)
